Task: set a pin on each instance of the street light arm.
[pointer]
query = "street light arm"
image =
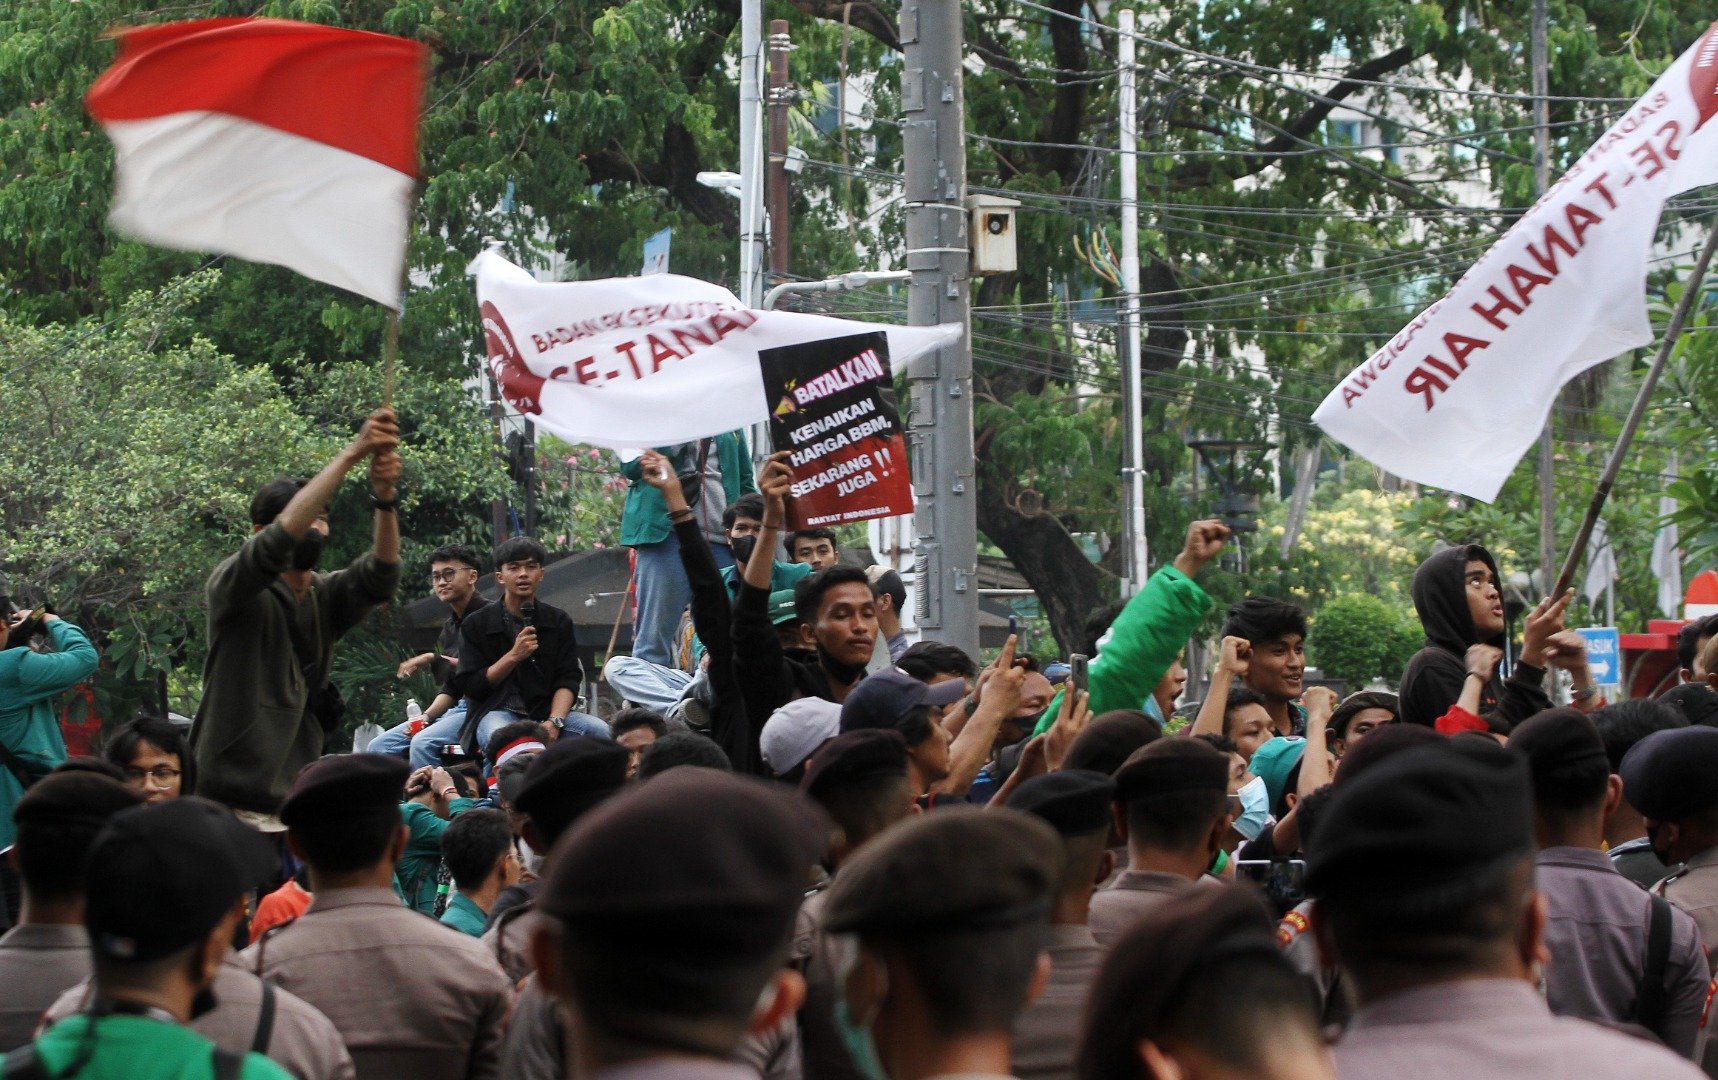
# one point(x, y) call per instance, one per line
point(858, 279)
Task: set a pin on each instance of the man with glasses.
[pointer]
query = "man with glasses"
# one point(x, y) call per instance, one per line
point(454, 569)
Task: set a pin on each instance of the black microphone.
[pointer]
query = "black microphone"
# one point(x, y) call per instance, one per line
point(528, 612)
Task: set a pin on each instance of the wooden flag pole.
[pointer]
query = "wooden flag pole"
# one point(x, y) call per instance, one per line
point(390, 357)
point(1613, 465)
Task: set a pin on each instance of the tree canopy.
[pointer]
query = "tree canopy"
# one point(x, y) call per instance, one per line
point(1311, 175)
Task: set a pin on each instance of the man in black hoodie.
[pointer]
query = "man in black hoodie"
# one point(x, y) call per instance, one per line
point(1456, 596)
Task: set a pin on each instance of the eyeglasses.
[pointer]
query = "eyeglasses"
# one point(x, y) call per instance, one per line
point(161, 775)
point(449, 575)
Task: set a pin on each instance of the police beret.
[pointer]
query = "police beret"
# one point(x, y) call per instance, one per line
point(1668, 775)
point(1420, 818)
point(1559, 739)
point(159, 878)
point(1110, 739)
point(1167, 766)
point(74, 798)
point(561, 783)
point(1074, 801)
point(957, 868)
point(707, 867)
point(855, 757)
point(341, 785)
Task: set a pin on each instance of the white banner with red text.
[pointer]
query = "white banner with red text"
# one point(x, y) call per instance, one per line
point(646, 361)
point(1457, 397)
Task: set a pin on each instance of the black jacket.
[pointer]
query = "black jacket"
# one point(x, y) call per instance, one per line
point(1433, 679)
point(712, 621)
point(447, 644)
point(769, 675)
point(485, 637)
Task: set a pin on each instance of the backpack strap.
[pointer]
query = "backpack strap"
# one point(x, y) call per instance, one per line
point(265, 1021)
point(227, 1065)
point(1650, 1003)
point(25, 1064)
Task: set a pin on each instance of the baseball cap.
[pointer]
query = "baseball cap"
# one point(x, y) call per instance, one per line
point(885, 698)
point(795, 730)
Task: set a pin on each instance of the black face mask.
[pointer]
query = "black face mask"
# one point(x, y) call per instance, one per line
point(309, 551)
point(1652, 841)
point(204, 1003)
point(845, 674)
point(742, 547)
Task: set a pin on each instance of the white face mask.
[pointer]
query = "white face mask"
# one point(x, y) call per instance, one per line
point(1255, 808)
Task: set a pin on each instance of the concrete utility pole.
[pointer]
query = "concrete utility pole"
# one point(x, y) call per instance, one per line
point(939, 426)
point(779, 93)
point(1133, 475)
point(1539, 46)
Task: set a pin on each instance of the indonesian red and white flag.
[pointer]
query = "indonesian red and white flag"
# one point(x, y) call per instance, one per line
point(646, 361)
point(276, 141)
point(1458, 396)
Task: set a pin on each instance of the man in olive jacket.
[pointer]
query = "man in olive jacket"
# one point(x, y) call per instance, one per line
point(273, 622)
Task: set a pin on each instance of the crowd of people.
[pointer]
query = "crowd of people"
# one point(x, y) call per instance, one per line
point(808, 847)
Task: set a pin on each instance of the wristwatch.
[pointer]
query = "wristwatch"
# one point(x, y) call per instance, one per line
point(385, 505)
point(1585, 694)
point(559, 723)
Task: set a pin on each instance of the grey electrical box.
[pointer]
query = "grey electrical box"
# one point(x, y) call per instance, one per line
point(992, 234)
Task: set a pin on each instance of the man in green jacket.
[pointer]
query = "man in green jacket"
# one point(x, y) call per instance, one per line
point(1146, 638)
point(30, 741)
point(724, 465)
point(273, 622)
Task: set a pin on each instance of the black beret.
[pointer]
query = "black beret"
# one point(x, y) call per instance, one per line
point(343, 785)
point(706, 866)
point(1559, 739)
point(1423, 817)
point(1697, 702)
point(854, 757)
point(1172, 765)
point(571, 776)
point(1074, 801)
point(1109, 739)
point(958, 868)
point(74, 798)
point(161, 877)
point(1668, 775)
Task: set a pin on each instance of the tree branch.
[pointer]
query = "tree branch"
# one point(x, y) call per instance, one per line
point(1293, 133)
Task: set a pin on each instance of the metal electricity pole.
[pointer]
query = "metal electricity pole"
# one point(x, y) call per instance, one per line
point(779, 91)
point(939, 425)
point(1538, 45)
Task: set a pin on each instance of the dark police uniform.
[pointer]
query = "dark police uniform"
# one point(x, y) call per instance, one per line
point(1076, 803)
point(1416, 821)
point(160, 880)
point(410, 997)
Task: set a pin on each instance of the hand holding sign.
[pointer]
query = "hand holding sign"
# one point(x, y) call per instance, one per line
point(775, 483)
point(833, 414)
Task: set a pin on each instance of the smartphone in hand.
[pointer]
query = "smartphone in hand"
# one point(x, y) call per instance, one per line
point(1077, 672)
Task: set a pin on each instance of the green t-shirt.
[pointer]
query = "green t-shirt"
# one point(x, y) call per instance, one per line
point(141, 1048)
point(464, 916)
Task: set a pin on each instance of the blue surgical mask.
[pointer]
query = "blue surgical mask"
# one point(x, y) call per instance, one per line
point(1150, 709)
point(1255, 808)
point(861, 1044)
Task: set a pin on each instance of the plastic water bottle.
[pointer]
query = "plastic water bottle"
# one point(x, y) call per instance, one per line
point(414, 717)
